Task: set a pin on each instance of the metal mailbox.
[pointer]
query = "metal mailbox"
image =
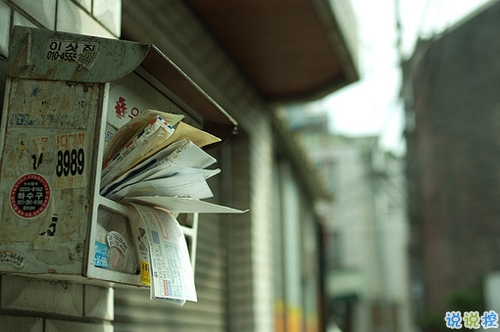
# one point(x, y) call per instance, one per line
point(65, 94)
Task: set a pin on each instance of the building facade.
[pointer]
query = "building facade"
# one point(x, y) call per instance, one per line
point(254, 272)
point(452, 128)
point(366, 247)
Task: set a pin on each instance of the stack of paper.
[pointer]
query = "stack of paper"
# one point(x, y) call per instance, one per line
point(155, 164)
point(150, 162)
point(163, 254)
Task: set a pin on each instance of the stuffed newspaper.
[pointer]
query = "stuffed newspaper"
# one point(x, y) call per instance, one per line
point(156, 166)
point(163, 252)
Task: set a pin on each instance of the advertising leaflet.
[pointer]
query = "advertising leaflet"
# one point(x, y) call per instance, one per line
point(171, 275)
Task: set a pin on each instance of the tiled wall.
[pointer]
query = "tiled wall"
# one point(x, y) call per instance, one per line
point(176, 31)
point(93, 17)
point(48, 306)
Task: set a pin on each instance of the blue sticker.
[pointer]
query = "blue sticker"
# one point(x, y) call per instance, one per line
point(101, 255)
point(156, 238)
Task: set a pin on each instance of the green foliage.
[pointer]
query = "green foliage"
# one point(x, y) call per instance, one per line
point(432, 322)
point(458, 300)
point(466, 300)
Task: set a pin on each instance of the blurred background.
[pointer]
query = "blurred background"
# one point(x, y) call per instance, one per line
point(409, 152)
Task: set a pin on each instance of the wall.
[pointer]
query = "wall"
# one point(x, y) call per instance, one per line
point(187, 43)
point(100, 18)
point(368, 253)
point(452, 82)
point(35, 305)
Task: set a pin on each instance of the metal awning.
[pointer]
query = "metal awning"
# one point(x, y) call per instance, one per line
point(289, 49)
point(108, 60)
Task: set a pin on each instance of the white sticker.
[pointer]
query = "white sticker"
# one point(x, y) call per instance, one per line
point(124, 105)
point(81, 53)
point(13, 258)
point(116, 240)
point(70, 160)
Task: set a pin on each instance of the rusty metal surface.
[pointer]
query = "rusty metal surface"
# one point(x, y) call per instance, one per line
point(47, 175)
point(51, 144)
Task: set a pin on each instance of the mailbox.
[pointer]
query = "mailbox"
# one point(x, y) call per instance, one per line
point(65, 96)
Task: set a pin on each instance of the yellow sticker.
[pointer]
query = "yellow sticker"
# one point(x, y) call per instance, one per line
point(145, 276)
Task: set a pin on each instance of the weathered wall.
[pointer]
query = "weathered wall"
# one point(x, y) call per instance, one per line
point(455, 154)
point(36, 305)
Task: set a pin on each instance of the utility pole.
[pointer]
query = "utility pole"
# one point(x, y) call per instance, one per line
point(377, 175)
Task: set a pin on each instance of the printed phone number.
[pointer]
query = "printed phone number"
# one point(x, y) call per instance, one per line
point(70, 162)
point(68, 51)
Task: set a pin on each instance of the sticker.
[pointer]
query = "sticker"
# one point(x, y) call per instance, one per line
point(13, 258)
point(70, 161)
point(79, 52)
point(108, 135)
point(101, 255)
point(145, 276)
point(55, 105)
point(124, 104)
point(116, 240)
point(30, 195)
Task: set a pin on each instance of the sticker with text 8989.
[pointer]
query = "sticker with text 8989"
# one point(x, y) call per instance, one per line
point(70, 160)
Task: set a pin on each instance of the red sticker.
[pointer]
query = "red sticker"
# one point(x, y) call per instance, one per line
point(30, 195)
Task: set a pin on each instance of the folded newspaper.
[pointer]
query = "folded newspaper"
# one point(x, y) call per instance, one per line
point(156, 166)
